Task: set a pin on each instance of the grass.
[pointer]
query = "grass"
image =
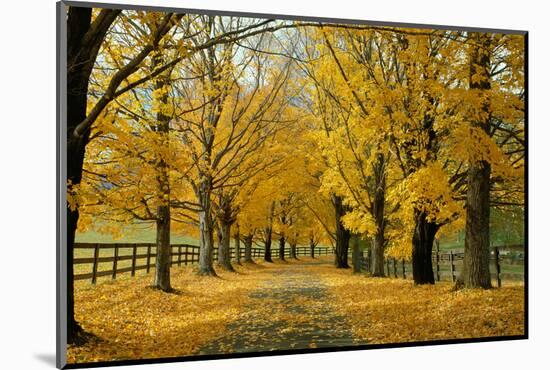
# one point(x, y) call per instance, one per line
point(132, 234)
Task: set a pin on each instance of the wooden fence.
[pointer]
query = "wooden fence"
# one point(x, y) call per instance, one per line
point(94, 260)
point(113, 259)
point(506, 263)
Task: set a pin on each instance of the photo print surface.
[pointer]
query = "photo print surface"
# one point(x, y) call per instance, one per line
point(241, 184)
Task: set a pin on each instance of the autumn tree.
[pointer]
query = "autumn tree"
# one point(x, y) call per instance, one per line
point(140, 33)
point(398, 101)
point(495, 80)
point(350, 138)
point(234, 108)
point(85, 36)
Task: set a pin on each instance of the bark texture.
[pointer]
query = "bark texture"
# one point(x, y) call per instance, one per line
point(164, 250)
point(269, 234)
point(378, 215)
point(206, 232)
point(377, 255)
point(237, 239)
point(248, 248)
point(162, 128)
point(423, 239)
point(342, 235)
point(293, 251)
point(206, 223)
point(224, 246)
point(356, 255)
point(267, 247)
point(282, 241)
point(475, 273)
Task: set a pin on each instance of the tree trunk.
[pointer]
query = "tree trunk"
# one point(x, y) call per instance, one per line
point(423, 239)
point(282, 239)
point(377, 255)
point(224, 247)
point(342, 235)
point(267, 248)
point(475, 272)
point(218, 236)
point(293, 251)
point(378, 215)
point(269, 234)
point(78, 23)
point(356, 255)
point(164, 250)
point(206, 235)
point(237, 239)
point(75, 333)
point(248, 249)
point(81, 57)
point(282, 247)
point(162, 128)
point(206, 223)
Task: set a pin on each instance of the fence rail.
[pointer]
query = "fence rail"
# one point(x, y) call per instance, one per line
point(504, 264)
point(142, 256)
point(113, 259)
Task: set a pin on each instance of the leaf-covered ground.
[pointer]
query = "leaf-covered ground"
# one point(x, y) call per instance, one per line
point(133, 321)
point(382, 310)
point(292, 310)
point(267, 307)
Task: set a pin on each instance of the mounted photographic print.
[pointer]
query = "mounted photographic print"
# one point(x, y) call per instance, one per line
point(236, 184)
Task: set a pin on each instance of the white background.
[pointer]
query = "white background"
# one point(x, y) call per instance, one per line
point(27, 204)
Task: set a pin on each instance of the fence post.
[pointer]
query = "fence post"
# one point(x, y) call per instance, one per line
point(134, 253)
point(115, 261)
point(437, 275)
point(403, 268)
point(148, 258)
point(497, 265)
point(186, 250)
point(388, 267)
point(394, 268)
point(179, 255)
point(452, 266)
point(94, 266)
